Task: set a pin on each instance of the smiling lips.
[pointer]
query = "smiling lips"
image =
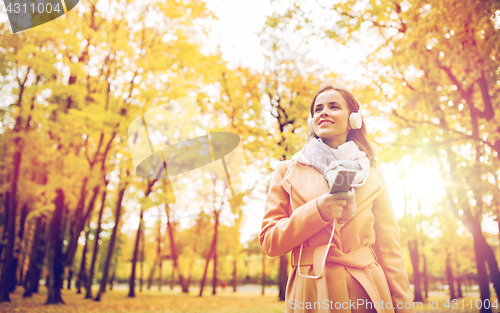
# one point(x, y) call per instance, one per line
point(325, 123)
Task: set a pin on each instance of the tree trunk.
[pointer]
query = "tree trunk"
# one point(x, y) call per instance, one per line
point(426, 286)
point(55, 255)
point(209, 257)
point(263, 282)
point(214, 278)
point(459, 287)
point(484, 256)
point(90, 276)
point(13, 279)
point(136, 247)
point(175, 257)
point(283, 276)
point(70, 276)
point(482, 276)
point(235, 277)
point(158, 253)
point(22, 276)
point(449, 277)
point(151, 274)
point(185, 285)
point(413, 247)
point(42, 250)
point(112, 279)
point(65, 230)
point(112, 243)
point(491, 261)
point(11, 228)
point(20, 251)
point(131, 283)
point(143, 242)
point(187, 282)
point(5, 221)
point(83, 263)
point(29, 282)
point(76, 224)
point(80, 217)
point(5, 203)
point(160, 274)
point(172, 277)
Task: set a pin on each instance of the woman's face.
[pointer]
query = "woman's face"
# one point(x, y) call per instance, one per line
point(331, 106)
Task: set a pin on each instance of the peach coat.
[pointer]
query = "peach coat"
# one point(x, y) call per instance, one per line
point(365, 262)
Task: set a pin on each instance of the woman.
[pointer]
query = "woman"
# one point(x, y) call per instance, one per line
point(359, 266)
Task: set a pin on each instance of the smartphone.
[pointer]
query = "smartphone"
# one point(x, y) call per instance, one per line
point(343, 181)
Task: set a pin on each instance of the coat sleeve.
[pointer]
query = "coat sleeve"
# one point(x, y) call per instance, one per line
point(282, 231)
point(388, 250)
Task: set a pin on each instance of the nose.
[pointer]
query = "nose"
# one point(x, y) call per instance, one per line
point(323, 112)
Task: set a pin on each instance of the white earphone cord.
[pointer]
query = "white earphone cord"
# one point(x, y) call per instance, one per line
point(301, 246)
point(324, 258)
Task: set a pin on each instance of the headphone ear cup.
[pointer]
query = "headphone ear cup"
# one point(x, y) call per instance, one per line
point(355, 120)
point(310, 123)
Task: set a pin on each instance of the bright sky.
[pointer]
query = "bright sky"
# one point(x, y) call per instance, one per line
point(236, 30)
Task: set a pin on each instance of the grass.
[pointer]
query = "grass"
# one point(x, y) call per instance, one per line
point(149, 301)
point(153, 301)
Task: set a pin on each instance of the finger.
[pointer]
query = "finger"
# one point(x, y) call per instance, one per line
point(339, 195)
point(342, 195)
point(337, 213)
point(347, 195)
point(342, 203)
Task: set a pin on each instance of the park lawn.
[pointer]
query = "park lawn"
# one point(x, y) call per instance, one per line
point(153, 301)
point(149, 301)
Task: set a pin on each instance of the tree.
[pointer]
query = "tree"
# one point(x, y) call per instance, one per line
point(131, 292)
point(36, 257)
point(212, 253)
point(159, 254)
point(121, 192)
point(55, 254)
point(90, 275)
point(83, 262)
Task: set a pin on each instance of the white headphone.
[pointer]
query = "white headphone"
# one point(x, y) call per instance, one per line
point(355, 119)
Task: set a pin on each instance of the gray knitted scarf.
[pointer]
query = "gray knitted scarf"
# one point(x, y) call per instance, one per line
point(329, 161)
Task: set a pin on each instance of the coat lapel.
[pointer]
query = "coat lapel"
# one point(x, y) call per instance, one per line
point(303, 183)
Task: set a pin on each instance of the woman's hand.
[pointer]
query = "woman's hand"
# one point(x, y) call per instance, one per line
point(340, 206)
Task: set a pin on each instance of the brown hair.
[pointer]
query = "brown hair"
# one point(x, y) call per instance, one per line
point(359, 136)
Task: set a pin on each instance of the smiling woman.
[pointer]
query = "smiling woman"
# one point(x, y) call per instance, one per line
point(345, 246)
